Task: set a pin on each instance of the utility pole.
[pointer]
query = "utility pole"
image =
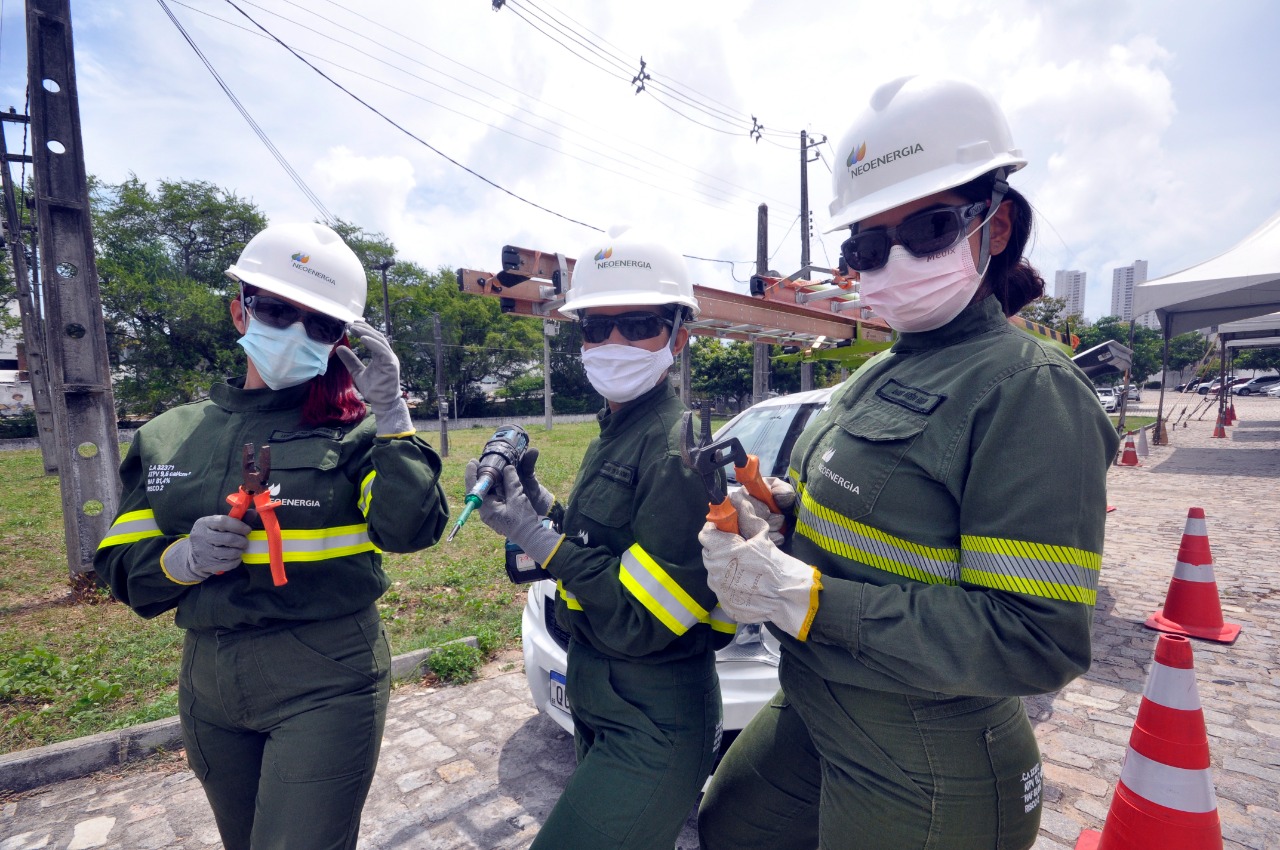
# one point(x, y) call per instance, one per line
point(806, 230)
point(760, 350)
point(549, 329)
point(75, 337)
point(442, 404)
point(386, 305)
point(28, 305)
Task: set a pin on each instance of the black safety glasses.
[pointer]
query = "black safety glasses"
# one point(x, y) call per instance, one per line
point(930, 232)
point(278, 314)
point(633, 326)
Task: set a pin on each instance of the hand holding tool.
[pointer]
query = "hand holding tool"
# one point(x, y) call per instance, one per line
point(705, 458)
point(540, 497)
point(255, 491)
point(215, 545)
point(754, 580)
point(378, 380)
point(505, 448)
point(509, 513)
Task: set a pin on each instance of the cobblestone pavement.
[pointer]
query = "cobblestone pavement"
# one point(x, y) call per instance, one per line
point(475, 767)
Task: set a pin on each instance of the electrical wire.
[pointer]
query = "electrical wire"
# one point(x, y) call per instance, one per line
point(731, 263)
point(258, 131)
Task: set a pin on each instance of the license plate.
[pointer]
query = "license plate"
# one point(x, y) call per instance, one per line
point(559, 691)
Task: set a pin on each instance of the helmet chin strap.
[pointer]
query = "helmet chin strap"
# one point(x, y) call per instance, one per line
point(999, 189)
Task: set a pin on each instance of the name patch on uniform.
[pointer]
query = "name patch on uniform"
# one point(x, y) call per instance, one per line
point(620, 472)
point(279, 436)
point(912, 398)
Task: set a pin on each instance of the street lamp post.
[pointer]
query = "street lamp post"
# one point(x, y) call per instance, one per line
point(386, 306)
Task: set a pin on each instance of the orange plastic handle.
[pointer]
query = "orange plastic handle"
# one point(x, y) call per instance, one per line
point(724, 516)
point(275, 546)
point(749, 477)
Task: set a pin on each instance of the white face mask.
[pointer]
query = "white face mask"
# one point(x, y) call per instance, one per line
point(621, 373)
point(284, 358)
point(921, 293)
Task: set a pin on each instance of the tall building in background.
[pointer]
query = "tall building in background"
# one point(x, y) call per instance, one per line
point(1123, 280)
point(1068, 284)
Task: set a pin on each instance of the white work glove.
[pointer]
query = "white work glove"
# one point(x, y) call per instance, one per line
point(784, 495)
point(378, 380)
point(540, 497)
point(507, 511)
point(215, 545)
point(755, 580)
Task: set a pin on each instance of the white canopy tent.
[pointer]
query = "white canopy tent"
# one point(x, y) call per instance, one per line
point(1238, 284)
point(1258, 332)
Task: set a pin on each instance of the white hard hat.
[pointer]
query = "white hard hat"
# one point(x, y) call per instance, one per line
point(628, 268)
point(307, 263)
point(919, 135)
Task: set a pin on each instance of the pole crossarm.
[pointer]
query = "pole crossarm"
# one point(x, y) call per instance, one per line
point(780, 311)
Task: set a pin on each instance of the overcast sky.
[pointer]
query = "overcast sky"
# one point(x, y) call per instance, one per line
point(1150, 125)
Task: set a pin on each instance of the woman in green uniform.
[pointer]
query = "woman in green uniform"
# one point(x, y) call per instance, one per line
point(948, 520)
point(632, 592)
point(283, 688)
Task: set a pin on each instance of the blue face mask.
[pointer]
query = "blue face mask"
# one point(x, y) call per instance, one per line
point(284, 358)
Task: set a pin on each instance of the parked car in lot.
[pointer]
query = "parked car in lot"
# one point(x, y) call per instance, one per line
point(1108, 397)
point(1189, 387)
point(748, 667)
point(1257, 385)
point(1215, 384)
point(1135, 393)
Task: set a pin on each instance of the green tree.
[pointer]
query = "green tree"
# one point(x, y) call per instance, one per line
point(1047, 310)
point(161, 256)
point(721, 370)
point(1146, 345)
point(1259, 359)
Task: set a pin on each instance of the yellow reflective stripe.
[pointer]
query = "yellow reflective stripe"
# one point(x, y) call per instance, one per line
point(857, 542)
point(130, 527)
point(311, 544)
point(721, 621)
point(1036, 569)
point(569, 599)
point(366, 492)
point(659, 592)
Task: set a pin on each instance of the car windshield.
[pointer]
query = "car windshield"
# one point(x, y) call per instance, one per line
point(769, 432)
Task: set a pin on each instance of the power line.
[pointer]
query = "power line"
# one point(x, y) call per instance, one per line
point(258, 131)
point(402, 129)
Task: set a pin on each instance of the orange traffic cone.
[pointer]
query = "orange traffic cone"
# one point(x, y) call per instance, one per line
point(1165, 795)
point(1130, 456)
point(1218, 430)
point(1232, 410)
point(1228, 416)
point(1143, 451)
point(1191, 606)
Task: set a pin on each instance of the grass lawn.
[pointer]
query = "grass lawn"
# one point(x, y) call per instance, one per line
point(72, 667)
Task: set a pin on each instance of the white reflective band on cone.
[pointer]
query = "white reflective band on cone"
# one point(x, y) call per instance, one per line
point(1171, 787)
point(1196, 527)
point(1173, 687)
point(1193, 572)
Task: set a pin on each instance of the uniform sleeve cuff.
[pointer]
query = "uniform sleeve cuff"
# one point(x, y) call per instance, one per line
point(838, 619)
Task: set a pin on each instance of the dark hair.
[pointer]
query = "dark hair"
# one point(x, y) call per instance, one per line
point(331, 397)
point(1009, 276)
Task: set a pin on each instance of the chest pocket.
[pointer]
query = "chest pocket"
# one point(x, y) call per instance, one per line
point(304, 471)
point(606, 502)
point(853, 460)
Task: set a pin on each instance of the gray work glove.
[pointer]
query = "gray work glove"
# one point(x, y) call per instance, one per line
point(508, 512)
point(784, 495)
point(378, 380)
point(756, 581)
point(214, 546)
point(540, 497)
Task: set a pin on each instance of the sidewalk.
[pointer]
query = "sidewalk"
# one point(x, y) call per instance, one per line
point(475, 767)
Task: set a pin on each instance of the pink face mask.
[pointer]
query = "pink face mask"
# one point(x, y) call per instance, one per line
point(921, 293)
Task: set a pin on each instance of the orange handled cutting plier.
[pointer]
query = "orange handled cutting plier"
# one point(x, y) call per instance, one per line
point(705, 457)
point(255, 492)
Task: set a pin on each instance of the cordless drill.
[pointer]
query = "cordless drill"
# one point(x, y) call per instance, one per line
point(506, 446)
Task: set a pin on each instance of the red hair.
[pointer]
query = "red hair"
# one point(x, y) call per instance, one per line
point(331, 397)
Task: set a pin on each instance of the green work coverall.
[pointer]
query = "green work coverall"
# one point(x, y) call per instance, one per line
point(953, 496)
point(283, 690)
point(644, 627)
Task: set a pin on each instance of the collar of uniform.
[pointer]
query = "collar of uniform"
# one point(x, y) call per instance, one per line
point(612, 420)
point(233, 396)
point(976, 319)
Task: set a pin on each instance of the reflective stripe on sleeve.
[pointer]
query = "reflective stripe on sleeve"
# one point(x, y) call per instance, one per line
point(570, 600)
point(659, 592)
point(366, 492)
point(1050, 572)
point(130, 527)
point(854, 541)
point(721, 621)
point(311, 544)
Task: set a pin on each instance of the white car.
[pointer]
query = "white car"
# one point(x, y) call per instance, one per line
point(748, 667)
point(1107, 396)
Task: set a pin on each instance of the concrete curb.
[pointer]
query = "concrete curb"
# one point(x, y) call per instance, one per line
point(27, 769)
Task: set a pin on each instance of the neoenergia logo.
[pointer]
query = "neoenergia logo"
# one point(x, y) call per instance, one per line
point(857, 154)
point(604, 254)
point(301, 257)
point(300, 260)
